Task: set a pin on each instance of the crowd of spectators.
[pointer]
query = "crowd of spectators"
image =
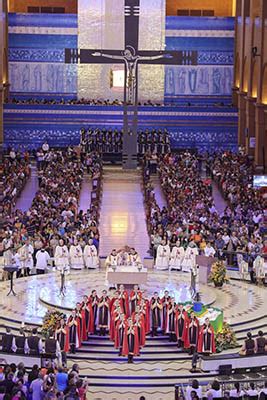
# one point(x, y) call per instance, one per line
point(54, 213)
point(14, 173)
point(191, 215)
point(46, 383)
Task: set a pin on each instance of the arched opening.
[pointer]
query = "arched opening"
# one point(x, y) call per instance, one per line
point(264, 85)
point(245, 75)
point(255, 77)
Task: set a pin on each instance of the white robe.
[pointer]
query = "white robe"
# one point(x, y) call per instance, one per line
point(134, 259)
point(25, 254)
point(189, 260)
point(42, 258)
point(111, 261)
point(177, 256)
point(76, 257)
point(163, 257)
point(242, 265)
point(62, 257)
point(258, 265)
point(90, 256)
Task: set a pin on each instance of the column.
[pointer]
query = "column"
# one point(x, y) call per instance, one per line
point(235, 87)
point(241, 118)
point(3, 65)
point(250, 125)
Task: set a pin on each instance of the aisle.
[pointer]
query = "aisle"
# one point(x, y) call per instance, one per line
point(159, 195)
point(85, 195)
point(25, 199)
point(122, 218)
point(219, 201)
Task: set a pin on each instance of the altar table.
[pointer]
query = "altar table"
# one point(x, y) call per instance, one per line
point(127, 275)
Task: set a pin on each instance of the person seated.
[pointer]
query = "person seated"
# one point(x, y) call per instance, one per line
point(236, 393)
point(260, 343)
point(248, 348)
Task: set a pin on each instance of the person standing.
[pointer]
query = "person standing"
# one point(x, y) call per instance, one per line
point(163, 256)
point(177, 256)
point(62, 336)
point(42, 260)
point(94, 302)
point(130, 346)
point(181, 325)
point(76, 255)
point(36, 388)
point(156, 309)
point(90, 255)
point(165, 304)
point(135, 297)
point(206, 340)
point(103, 313)
point(62, 256)
point(74, 331)
point(192, 334)
point(260, 343)
point(35, 343)
point(171, 314)
point(7, 341)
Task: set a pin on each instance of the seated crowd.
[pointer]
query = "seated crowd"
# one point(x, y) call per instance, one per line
point(190, 223)
point(14, 173)
point(54, 226)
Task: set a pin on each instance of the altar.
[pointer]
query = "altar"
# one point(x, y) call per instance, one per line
point(127, 275)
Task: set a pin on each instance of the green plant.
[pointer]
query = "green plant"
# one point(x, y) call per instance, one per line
point(218, 274)
point(225, 339)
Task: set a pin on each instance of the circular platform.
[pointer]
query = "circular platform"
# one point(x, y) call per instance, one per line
point(83, 282)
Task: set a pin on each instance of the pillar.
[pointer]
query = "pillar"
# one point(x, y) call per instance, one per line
point(241, 118)
point(4, 85)
point(250, 125)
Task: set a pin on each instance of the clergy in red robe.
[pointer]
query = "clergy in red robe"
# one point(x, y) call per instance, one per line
point(135, 297)
point(130, 346)
point(165, 303)
point(139, 322)
point(191, 339)
point(156, 309)
point(124, 298)
point(206, 340)
point(94, 302)
point(114, 313)
point(88, 316)
point(181, 325)
point(121, 324)
point(170, 318)
point(103, 313)
point(74, 329)
point(80, 313)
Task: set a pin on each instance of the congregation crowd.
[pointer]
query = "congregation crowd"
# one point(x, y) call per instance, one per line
point(54, 227)
point(190, 224)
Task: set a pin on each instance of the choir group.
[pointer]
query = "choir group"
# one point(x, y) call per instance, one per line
point(129, 317)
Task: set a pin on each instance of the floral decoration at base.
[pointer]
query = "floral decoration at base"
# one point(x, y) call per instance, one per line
point(218, 274)
point(225, 339)
point(51, 320)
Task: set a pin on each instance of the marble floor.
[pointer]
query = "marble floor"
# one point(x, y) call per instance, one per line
point(25, 200)
point(122, 218)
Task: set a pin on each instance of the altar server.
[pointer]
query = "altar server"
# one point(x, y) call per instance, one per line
point(76, 255)
point(177, 256)
point(181, 325)
point(156, 309)
point(189, 257)
point(26, 257)
point(163, 256)
point(62, 256)
point(90, 255)
point(206, 341)
point(130, 346)
point(103, 313)
point(42, 260)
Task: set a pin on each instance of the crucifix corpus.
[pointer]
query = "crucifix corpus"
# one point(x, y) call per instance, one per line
point(131, 57)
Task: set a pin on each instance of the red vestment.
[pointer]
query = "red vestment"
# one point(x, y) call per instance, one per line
point(206, 340)
point(181, 325)
point(130, 341)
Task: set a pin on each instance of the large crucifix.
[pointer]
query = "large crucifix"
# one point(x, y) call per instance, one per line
point(131, 57)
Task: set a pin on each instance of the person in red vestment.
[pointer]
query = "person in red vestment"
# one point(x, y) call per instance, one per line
point(139, 322)
point(206, 340)
point(181, 325)
point(145, 310)
point(156, 308)
point(124, 298)
point(130, 345)
point(94, 302)
point(114, 314)
point(135, 297)
point(103, 313)
point(62, 336)
point(165, 302)
point(170, 318)
point(80, 313)
point(192, 334)
point(74, 329)
point(120, 327)
point(88, 316)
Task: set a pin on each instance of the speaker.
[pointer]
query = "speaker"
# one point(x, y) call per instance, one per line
point(225, 369)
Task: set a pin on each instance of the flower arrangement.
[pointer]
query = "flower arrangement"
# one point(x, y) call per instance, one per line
point(225, 339)
point(218, 274)
point(51, 321)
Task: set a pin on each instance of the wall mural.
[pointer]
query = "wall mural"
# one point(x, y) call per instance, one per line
point(43, 77)
point(200, 80)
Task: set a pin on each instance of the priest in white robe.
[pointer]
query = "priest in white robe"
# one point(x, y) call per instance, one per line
point(90, 255)
point(76, 255)
point(42, 260)
point(189, 260)
point(26, 257)
point(134, 258)
point(62, 256)
point(242, 266)
point(258, 266)
point(163, 256)
point(112, 259)
point(177, 256)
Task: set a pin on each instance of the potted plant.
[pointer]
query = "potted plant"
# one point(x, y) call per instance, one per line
point(225, 339)
point(218, 274)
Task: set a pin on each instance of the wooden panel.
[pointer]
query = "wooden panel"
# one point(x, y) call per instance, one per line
point(21, 6)
point(221, 8)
